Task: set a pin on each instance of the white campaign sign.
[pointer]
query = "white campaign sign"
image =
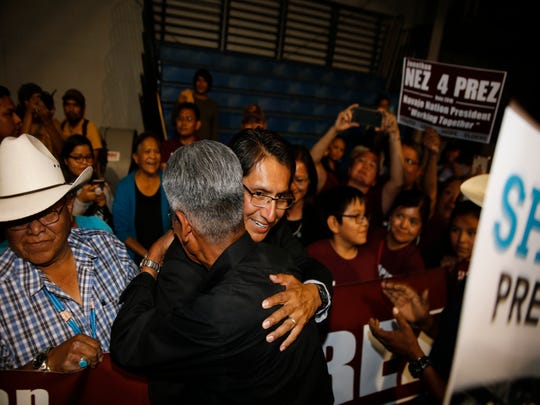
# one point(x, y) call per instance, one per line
point(499, 334)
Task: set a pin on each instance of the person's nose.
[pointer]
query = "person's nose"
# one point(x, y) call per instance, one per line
point(462, 237)
point(35, 227)
point(17, 119)
point(270, 211)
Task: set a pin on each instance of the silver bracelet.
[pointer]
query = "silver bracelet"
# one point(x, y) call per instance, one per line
point(150, 263)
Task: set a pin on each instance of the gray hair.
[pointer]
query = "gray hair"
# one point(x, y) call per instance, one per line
point(204, 181)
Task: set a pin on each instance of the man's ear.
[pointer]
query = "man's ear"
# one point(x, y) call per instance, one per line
point(198, 125)
point(185, 226)
point(333, 224)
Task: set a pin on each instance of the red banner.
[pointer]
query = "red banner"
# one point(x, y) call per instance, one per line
point(361, 371)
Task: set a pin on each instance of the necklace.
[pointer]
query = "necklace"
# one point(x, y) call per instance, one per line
point(298, 233)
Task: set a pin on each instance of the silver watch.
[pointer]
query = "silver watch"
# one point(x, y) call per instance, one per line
point(150, 263)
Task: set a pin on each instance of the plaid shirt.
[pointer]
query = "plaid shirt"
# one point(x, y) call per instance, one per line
point(28, 321)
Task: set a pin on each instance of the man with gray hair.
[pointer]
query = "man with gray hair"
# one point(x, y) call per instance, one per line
point(210, 349)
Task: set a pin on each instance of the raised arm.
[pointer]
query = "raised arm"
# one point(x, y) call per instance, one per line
point(393, 185)
point(318, 150)
point(432, 145)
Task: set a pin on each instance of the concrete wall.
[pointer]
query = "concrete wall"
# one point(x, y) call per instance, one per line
point(95, 46)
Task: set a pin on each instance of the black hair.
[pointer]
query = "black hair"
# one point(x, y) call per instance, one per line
point(26, 91)
point(415, 146)
point(465, 207)
point(4, 91)
point(334, 201)
point(48, 100)
point(410, 199)
point(252, 145)
point(205, 74)
point(75, 95)
point(135, 145)
point(190, 106)
point(68, 145)
point(301, 153)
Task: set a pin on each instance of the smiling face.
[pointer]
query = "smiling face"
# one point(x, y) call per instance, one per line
point(300, 184)
point(39, 244)
point(405, 226)
point(269, 177)
point(148, 156)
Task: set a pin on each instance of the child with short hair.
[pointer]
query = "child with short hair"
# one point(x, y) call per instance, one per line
point(344, 212)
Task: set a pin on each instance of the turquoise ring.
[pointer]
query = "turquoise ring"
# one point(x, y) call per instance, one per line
point(83, 363)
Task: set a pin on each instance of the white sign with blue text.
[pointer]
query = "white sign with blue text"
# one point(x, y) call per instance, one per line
point(498, 345)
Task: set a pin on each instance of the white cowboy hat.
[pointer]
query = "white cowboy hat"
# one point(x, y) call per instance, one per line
point(474, 188)
point(31, 179)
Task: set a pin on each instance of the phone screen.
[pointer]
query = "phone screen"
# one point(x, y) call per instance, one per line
point(367, 117)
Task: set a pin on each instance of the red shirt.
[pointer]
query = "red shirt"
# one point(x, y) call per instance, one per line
point(362, 268)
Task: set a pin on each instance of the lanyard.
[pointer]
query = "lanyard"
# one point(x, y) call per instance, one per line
point(65, 314)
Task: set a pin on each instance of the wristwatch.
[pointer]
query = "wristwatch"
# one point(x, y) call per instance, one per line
point(150, 263)
point(40, 363)
point(324, 296)
point(417, 367)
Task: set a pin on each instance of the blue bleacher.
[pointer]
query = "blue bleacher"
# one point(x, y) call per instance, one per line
point(300, 101)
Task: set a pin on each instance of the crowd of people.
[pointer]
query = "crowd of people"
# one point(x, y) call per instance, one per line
point(333, 214)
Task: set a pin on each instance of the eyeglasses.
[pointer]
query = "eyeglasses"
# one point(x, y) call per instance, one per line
point(358, 218)
point(261, 200)
point(48, 217)
point(82, 158)
point(411, 162)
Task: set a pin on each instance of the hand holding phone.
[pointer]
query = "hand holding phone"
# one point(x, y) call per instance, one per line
point(367, 117)
point(99, 183)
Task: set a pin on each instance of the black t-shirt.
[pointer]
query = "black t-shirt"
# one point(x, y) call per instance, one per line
point(147, 219)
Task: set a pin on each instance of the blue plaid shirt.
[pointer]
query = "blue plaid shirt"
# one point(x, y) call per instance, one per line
point(28, 321)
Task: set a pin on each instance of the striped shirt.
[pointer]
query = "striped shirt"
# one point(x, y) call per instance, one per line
point(28, 321)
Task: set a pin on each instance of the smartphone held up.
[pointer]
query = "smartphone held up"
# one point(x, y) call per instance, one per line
point(367, 117)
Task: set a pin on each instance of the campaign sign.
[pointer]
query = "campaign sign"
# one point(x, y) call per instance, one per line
point(497, 355)
point(457, 101)
point(362, 370)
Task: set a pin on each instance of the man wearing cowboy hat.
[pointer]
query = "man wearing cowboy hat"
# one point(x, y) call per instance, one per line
point(59, 286)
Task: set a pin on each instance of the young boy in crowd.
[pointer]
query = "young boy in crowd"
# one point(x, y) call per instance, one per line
point(344, 212)
point(188, 122)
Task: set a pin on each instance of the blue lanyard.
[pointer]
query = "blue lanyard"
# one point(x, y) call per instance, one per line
point(66, 314)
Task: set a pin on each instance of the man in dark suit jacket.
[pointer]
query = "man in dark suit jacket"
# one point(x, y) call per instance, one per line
point(208, 347)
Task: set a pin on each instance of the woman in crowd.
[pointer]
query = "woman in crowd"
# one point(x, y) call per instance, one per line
point(328, 151)
point(140, 209)
point(411, 307)
point(396, 246)
point(94, 198)
point(434, 241)
point(302, 215)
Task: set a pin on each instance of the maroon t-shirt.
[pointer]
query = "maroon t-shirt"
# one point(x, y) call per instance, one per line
point(397, 262)
point(361, 268)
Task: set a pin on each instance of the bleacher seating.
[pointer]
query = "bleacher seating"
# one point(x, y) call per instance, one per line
point(300, 101)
